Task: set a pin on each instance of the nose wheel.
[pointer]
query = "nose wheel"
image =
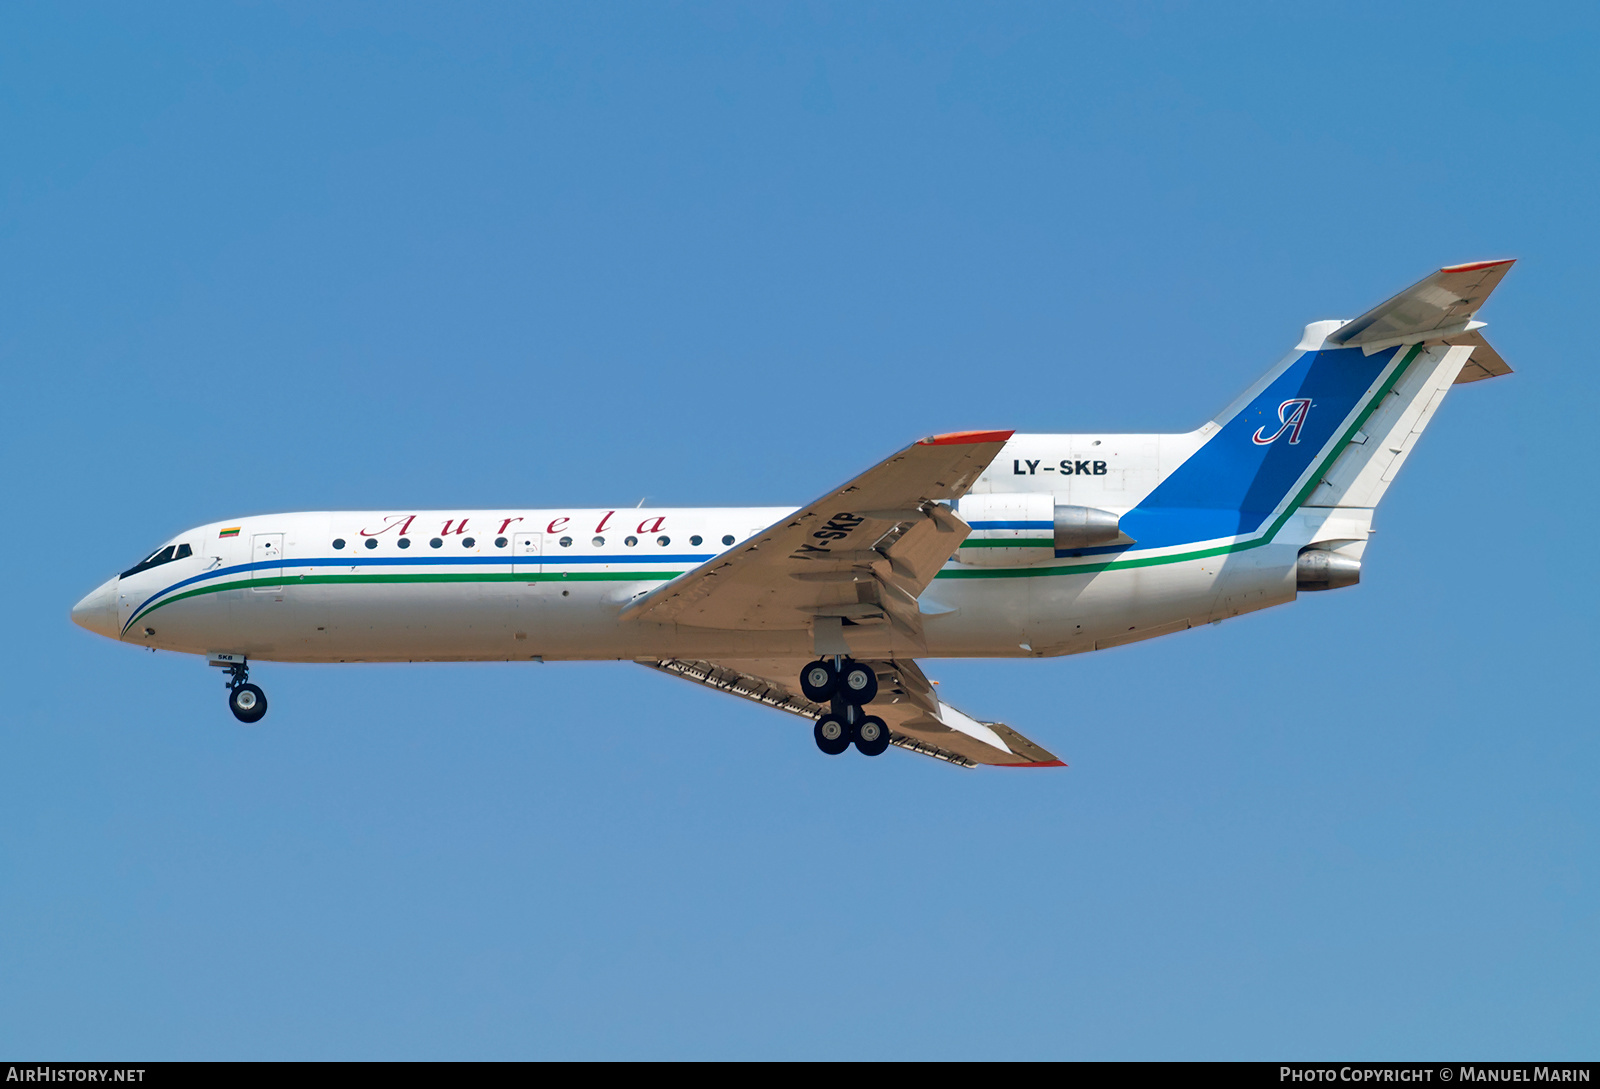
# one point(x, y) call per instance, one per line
point(247, 702)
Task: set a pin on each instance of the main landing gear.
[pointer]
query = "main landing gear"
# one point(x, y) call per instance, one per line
point(846, 686)
point(247, 702)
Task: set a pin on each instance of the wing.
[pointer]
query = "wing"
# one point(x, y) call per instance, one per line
point(862, 553)
point(918, 720)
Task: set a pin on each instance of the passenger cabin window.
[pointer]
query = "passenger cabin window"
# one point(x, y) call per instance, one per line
point(159, 557)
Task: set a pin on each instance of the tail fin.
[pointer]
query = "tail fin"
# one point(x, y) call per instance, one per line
point(1331, 424)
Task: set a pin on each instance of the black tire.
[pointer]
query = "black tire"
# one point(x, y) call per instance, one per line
point(872, 736)
point(835, 726)
point(818, 693)
point(858, 684)
point(248, 703)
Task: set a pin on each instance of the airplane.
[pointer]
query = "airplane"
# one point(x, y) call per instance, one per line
point(977, 544)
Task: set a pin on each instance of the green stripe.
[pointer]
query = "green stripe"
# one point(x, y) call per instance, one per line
point(308, 580)
point(1221, 550)
point(1092, 568)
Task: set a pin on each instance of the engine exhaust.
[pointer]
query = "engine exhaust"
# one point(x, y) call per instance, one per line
point(1319, 569)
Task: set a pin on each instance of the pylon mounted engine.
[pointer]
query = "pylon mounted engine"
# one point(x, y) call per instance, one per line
point(1020, 528)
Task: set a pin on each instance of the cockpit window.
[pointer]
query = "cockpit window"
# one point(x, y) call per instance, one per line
point(159, 557)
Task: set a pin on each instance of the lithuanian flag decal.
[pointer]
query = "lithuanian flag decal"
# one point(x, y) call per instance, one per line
point(234, 532)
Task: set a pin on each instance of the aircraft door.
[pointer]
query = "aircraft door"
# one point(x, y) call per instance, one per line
point(267, 548)
point(527, 553)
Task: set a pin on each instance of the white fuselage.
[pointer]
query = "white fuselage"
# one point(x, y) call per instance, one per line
point(523, 584)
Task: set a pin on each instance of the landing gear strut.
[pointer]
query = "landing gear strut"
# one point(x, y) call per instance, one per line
point(247, 702)
point(848, 686)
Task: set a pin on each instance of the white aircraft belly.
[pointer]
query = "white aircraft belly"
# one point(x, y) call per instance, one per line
point(1045, 614)
point(1023, 614)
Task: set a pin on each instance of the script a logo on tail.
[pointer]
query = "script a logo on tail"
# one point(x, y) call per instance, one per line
point(1291, 418)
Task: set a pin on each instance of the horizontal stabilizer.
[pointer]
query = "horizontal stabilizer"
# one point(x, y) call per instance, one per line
point(1440, 306)
point(1484, 362)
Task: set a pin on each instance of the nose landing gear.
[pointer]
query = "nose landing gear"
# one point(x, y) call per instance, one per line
point(247, 702)
point(848, 686)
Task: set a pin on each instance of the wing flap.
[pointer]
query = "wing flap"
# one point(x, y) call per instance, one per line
point(862, 552)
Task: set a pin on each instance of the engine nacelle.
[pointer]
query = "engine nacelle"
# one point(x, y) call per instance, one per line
point(1320, 569)
point(1085, 527)
point(1021, 528)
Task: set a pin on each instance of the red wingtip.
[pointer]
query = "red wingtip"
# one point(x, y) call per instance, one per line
point(1476, 265)
point(1036, 764)
point(958, 438)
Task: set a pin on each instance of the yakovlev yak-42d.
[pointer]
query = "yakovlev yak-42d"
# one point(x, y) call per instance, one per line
point(977, 544)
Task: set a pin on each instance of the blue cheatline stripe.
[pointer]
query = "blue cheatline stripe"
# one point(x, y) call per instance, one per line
point(1255, 480)
point(203, 576)
point(406, 561)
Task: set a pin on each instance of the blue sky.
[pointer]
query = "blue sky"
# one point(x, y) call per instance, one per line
point(264, 257)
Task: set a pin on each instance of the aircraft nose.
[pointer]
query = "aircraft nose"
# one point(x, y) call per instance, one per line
point(98, 610)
